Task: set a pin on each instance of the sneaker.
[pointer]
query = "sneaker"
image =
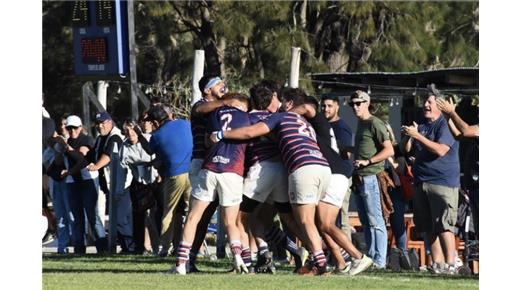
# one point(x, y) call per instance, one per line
point(436, 269)
point(343, 271)
point(163, 252)
point(240, 266)
point(360, 265)
point(265, 264)
point(451, 270)
point(178, 270)
point(318, 271)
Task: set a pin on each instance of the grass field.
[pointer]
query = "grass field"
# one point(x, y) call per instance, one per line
point(139, 272)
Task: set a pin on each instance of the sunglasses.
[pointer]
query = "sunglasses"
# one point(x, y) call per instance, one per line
point(70, 128)
point(357, 104)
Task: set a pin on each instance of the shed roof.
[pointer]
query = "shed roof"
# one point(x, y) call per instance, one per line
point(457, 80)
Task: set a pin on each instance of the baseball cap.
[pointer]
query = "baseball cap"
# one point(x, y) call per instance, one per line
point(102, 117)
point(360, 95)
point(73, 121)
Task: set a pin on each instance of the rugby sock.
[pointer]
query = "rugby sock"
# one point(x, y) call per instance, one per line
point(183, 253)
point(277, 236)
point(236, 247)
point(345, 255)
point(246, 256)
point(319, 258)
point(263, 248)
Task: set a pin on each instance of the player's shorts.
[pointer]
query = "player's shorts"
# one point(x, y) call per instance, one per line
point(228, 186)
point(267, 179)
point(338, 187)
point(308, 183)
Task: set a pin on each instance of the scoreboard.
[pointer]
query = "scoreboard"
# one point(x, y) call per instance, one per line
point(100, 38)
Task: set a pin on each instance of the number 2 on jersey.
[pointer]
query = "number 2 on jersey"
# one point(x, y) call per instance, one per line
point(227, 119)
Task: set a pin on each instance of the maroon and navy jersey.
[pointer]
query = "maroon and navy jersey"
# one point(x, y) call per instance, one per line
point(198, 130)
point(264, 147)
point(226, 155)
point(297, 140)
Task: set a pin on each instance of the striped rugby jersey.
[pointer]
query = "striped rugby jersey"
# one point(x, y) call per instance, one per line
point(297, 140)
point(226, 155)
point(198, 130)
point(264, 147)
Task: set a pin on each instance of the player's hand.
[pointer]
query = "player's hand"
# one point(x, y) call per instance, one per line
point(216, 136)
point(91, 167)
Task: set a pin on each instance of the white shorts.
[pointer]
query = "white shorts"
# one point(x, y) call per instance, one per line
point(337, 190)
point(267, 179)
point(228, 186)
point(308, 183)
point(195, 168)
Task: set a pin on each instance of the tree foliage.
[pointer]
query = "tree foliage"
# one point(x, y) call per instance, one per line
point(245, 41)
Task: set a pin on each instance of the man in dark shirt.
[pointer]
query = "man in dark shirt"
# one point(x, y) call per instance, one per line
point(345, 143)
point(436, 181)
point(110, 136)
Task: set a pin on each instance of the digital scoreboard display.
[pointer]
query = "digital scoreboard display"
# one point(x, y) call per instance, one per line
point(100, 38)
point(94, 50)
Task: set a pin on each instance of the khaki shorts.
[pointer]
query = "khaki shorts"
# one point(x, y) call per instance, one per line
point(227, 185)
point(267, 179)
point(338, 187)
point(435, 208)
point(308, 183)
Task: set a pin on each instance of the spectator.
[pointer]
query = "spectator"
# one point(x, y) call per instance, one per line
point(172, 143)
point(54, 163)
point(345, 144)
point(110, 136)
point(373, 147)
point(144, 176)
point(83, 187)
point(436, 181)
point(470, 168)
point(396, 165)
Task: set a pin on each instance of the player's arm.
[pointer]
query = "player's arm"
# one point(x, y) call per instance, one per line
point(243, 133)
point(208, 107)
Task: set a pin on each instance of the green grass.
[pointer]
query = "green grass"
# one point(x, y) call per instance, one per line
point(138, 272)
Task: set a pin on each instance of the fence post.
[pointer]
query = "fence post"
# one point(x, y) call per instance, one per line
point(198, 71)
point(295, 67)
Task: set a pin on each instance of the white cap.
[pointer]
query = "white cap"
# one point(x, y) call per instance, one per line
point(73, 120)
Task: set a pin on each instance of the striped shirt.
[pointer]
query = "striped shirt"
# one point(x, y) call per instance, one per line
point(198, 130)
point(264, 147)
point(297, 140)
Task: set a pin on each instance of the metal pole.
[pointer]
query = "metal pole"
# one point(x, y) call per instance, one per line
point(295, 67)
point(86, 109)
point(198, 71)
point(115, 184)
point(133, 67)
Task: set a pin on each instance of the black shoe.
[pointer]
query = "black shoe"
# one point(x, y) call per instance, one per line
point(265, 264)
point(193, 269)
